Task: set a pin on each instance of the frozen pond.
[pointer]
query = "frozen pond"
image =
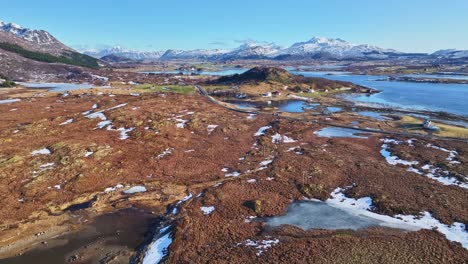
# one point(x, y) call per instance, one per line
point(57, 86)
point(339, 132)
point(309, 215)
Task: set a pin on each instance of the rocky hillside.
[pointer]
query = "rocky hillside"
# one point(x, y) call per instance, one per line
point(28, 54)
point(280, 77)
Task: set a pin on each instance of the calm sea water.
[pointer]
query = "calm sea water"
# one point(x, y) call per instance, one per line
point(451, 98)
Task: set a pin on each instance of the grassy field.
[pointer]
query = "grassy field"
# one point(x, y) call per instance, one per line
point(182, 89)
point(414, 125)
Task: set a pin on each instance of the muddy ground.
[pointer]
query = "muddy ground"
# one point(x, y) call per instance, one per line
point(180, 144)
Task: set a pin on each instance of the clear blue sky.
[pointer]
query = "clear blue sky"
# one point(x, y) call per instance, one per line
point(406, 25)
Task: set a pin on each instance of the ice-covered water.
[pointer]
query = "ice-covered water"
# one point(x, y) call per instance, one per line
point(339, 132)
point(319, 215)
point(57, 86)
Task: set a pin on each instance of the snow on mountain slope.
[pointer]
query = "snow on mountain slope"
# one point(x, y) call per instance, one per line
point(315, 47)
point(193, 54)
point(254, 50)
point(39, 37)
point(336, 48)
point(125, 53)
point(451, 54)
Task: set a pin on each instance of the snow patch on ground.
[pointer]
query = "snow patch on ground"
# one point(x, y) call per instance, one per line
point(103, 124)
point(165, 153)
point(363, 206)
point(207, 209)
point(7, 101)
point(261, 131)
point(278, 138)
point(260, 245)
point(158, 249)
point(251, 116)
point(44, 151)
point(233, 174)
point(68, 121)
point(135, 189)
point(211, 128)
point(113, 189)
point(264, 164)
point(426, 170)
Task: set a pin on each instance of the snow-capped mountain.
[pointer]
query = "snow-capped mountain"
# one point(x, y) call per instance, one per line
point(254, 51)
point(193, 54)
point(40, 39)
point(335, 48)
point(317, 47)
point(450, 54)
point(125, 53)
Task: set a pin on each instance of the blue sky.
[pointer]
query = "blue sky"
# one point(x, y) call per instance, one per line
point(406, 25)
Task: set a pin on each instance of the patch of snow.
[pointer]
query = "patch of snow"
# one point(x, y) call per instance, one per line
point(112, 189)
point(44, 151)
point(251, 116)
point(363, 206)
point(158, 249)
point(124, 132)
point(394, 160)
point(249, 219)
point(166, 152)
point(233, 174)
point(211, 128)
point(278, 138)
point(68, 121)
point(434, 173)
point(261, 245)
point(7, 101)
point(103, 124)
point(135, 189)
point(261, 131)
point(252, 181)
point(181, 123)
point(207, 209)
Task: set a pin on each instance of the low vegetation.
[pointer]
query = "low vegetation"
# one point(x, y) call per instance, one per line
point(69, 57)
point(415, 125)
point(182, 89)
point(5, 82)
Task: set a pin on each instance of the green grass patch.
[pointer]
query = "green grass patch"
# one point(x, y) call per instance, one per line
point(415, 125)
point(182, 89)
point(68, 57)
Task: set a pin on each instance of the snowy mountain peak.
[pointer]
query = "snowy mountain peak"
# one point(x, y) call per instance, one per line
point(39, 37)
point(451, 53)
point(329, 41)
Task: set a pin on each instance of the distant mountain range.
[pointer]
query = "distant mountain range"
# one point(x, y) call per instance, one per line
point(315, 48)
point(22, 48)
